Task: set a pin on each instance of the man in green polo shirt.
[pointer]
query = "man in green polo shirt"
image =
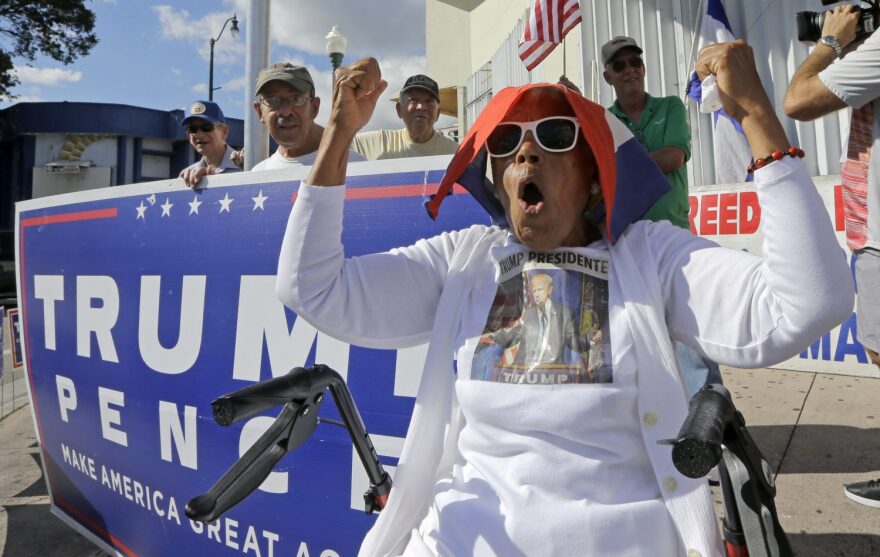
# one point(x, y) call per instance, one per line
point(659, 123)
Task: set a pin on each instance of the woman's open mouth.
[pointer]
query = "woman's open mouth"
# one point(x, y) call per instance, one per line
point(531, 200)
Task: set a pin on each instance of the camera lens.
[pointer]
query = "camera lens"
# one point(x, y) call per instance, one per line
point(809, 26)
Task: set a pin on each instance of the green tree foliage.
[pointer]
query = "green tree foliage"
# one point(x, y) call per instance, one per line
point(60, 29)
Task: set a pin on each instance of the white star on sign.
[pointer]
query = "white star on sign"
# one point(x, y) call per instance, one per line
point(258, 201)
point(225, 203)
point(141, 209)
point(166, 208)
point(194, 205)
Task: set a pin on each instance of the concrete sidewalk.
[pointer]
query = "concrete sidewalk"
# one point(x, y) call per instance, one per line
point(27, 528)
point(818, 431)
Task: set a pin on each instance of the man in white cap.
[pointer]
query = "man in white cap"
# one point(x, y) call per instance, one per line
point(418, 106)
point(287, 105)
point(205, 127)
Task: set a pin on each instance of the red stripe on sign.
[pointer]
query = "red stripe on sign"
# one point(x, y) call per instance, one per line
point(386, 192)
point(23, 316)
point(71, 217)
point(92, 525)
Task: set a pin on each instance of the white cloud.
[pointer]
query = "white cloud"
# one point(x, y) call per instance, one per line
point(234, 84)
point(199, 88)
point(374, 28)
point(180, 26)
point(388, 27)
point(53, 77)
point(175, 71)
point(393, 31)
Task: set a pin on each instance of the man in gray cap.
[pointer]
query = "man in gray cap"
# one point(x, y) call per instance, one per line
point(205, 127)
point(661, 126)
point(287, 105)
point(659, 123)
point(418, 106)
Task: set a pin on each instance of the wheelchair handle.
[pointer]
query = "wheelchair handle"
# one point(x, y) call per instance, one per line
point(697, 448)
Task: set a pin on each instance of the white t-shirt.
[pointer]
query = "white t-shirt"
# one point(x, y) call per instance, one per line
point(551, 450)
point(277, 160)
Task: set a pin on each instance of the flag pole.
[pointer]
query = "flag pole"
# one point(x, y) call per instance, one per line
point(692, 55)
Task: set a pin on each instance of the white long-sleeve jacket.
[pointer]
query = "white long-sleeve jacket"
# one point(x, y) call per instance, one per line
point(736, 308)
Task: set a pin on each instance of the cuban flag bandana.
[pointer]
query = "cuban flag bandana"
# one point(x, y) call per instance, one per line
point(629, 179)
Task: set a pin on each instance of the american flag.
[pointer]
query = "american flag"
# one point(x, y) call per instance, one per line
point(548, 24)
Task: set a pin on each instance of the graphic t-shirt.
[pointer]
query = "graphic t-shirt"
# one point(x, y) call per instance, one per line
point(548, 323)
point(551, 441)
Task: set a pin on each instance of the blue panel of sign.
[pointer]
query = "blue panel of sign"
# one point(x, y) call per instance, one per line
point(142, 304)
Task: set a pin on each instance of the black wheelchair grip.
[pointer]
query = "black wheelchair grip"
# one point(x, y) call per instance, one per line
point(697, 449)
point(258, 398)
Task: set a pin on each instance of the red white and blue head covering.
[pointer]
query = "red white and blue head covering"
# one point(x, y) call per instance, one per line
point(629, 179)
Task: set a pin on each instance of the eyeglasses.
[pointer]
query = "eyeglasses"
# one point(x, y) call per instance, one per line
point(276, 103)
point(555, 134)
point(635, 63)
point(195, 128)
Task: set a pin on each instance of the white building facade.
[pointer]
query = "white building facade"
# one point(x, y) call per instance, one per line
point(472, 44)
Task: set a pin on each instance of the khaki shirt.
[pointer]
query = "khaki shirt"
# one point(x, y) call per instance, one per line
point(396, 144)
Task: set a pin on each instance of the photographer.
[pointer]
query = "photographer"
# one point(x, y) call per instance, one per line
point(828, 80)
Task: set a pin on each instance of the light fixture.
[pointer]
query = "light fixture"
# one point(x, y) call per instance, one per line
point(234, 31)
point(336, 44)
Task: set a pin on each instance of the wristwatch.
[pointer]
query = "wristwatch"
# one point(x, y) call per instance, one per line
point(832, 41)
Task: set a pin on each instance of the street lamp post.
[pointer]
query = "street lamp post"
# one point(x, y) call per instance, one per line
point(234, 31)
point(336, 43)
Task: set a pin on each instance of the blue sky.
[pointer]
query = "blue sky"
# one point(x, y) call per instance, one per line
point(154, 53)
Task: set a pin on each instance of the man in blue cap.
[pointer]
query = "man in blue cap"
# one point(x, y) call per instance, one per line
point(205, 127)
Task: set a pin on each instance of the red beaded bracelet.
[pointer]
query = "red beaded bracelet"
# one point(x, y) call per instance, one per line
point(775, 156)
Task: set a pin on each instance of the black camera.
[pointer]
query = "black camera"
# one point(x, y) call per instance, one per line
point(809, 24)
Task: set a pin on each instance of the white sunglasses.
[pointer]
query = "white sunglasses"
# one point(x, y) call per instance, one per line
point(555, 134)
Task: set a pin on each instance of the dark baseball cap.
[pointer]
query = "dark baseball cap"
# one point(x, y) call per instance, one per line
point(296, 76)
point(615, 45)
point(422, 82)
point(206, 110)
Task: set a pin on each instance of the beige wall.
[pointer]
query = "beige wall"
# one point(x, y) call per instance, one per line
point(491, 23)
point(447, 37)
